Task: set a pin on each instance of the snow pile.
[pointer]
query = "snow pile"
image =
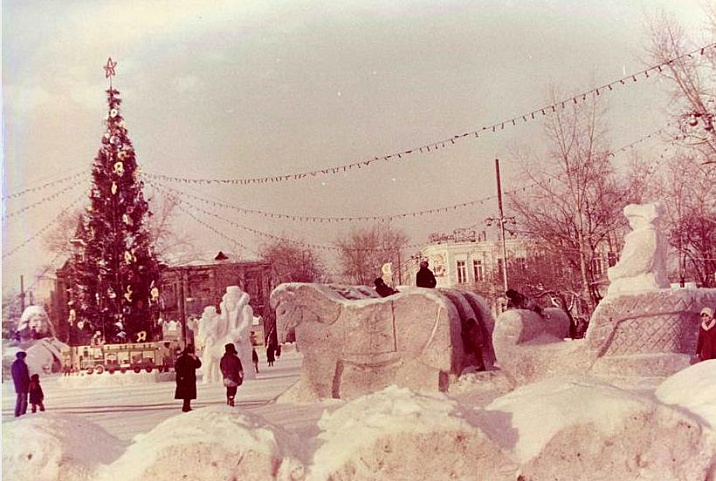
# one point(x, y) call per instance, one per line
point(54, 447)
point(693, 389)
point(82, 379)
point(215, 443)
point(396, 434)
point(593, 431)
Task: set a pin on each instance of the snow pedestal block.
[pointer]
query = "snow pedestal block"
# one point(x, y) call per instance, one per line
point(648, 334)
point(630, 336)
point(355, 343)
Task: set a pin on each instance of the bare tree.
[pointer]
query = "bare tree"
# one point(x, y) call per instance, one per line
point(363, 251)
point(292, 262)
point(169, 241)
point(688, 189)
point(691, 78)
point(575, 206)
point(687, 183)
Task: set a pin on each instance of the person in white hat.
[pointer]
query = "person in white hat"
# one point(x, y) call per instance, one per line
point(706, 345)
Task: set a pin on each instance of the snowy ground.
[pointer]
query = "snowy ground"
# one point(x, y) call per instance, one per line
point(129, 409)
point(562, 429)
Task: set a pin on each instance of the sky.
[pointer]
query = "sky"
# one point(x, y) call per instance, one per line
point(235, 90)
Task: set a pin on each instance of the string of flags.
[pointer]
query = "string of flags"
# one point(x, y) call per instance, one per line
point(441, 144)
point(329, 219)
point(45, 185)
point(45, 228)
point(264, 234)
point(212, 228)
point(385, 218)
point(40, 202)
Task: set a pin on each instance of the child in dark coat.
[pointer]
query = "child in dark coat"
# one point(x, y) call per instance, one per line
point(37, 397)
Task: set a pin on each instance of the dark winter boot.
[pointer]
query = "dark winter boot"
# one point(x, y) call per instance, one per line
point(231, 401)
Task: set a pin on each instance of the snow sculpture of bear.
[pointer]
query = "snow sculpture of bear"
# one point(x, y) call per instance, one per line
point(640, 329)
point(354, 342)
point(642, 265)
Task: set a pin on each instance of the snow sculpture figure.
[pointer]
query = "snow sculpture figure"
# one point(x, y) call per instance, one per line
point(206, 341)
point(642, 265)
point(34, 324)
point(387, 273)
point(232, 325)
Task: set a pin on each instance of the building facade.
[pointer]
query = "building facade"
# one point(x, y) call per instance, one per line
point(186, 290)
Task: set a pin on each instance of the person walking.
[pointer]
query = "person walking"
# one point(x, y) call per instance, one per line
point(270, 353)
point(233, 372)
point(185, 368)
point(21, 379)
point(254, 355)
point(37, 397)
point(706, 344)
point(425, 277)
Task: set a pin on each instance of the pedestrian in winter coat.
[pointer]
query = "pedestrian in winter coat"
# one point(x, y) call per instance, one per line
point(233, 372)
point(270, 353)
point(185, 368)
point(425, 277)
point(37, 397)
point(706, 344)
point(21, 378)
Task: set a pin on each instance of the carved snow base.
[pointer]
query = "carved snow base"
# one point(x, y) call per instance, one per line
point(649, 334)
point(354, 343)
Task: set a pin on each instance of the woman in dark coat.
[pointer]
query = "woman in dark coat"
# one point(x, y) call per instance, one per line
point(233, 372)
point(185, 368)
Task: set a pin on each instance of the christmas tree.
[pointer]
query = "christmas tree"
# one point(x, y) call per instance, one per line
point(115, 274)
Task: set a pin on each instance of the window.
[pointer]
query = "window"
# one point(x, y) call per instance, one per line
point(597, 267)
point(461, 272)
point(478, 270)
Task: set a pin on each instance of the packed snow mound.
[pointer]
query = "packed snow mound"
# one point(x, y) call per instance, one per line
point(55, 447)
point(117, 378)
point(594, 431)
point(211, 444)
point(693, 389)
point(397, 434)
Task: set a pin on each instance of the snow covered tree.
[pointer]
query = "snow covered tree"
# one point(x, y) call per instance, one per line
point(115, 273)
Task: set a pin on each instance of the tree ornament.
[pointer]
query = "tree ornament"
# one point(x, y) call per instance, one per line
point(122, 154)
point(126, 219)
point(119, 168)
point(129, 257)
point(113, 113)
point(114, 188)
point(128, 294)
point(111, 293)
point(113, 139)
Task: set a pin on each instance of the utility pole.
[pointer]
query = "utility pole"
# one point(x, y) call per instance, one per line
point(502, 224)
point(22, 294)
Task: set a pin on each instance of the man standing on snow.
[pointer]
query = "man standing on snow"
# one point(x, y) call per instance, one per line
point(21, 378)
point(425, 277)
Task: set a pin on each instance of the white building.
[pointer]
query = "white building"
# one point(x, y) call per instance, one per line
point(464, 258)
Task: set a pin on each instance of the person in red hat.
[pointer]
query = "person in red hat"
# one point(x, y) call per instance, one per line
point(706, 345)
